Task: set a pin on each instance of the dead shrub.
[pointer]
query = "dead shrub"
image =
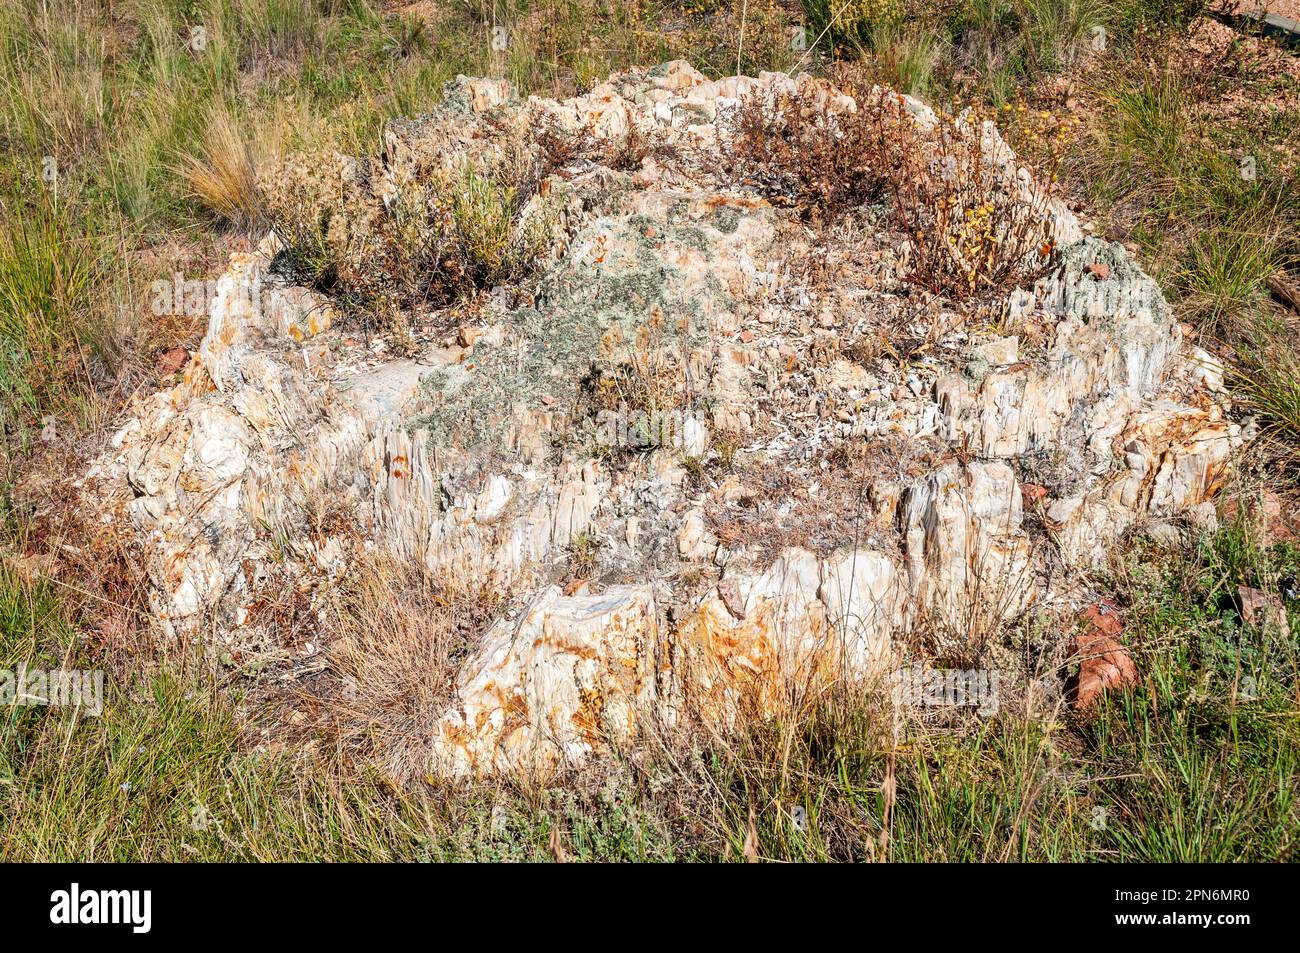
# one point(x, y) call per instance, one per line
point(798, 149)
point(971, 228)
point(560, 147)
point(630, 151)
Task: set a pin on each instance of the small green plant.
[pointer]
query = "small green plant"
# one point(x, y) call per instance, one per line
point(583, 548)
point(483, 211)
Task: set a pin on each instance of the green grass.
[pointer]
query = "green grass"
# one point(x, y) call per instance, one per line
point(1141, 139)
point(53, 276)
point(1200, 763)
point(1268, 375)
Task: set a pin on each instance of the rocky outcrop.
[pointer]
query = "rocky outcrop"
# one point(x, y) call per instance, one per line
point(681, 394)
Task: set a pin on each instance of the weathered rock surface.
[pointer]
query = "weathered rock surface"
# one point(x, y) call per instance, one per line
point(806, 508)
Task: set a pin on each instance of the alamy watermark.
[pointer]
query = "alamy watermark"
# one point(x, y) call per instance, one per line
point(193, 298)
point(648, 429)
point(918, 687)
point(133, 908)
point(61, 688)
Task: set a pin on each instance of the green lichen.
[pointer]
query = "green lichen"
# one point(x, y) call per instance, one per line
point(977, 368)
point(692, 236)
point(555, 345)
point(726, 220)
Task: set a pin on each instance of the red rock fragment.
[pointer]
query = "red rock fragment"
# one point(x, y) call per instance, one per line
point(1031, 493)
point(172, 360)
point(1104, 664)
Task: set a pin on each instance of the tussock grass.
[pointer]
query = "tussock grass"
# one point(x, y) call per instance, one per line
point(1267, 373)
point(1141, 138)
point(906, 57)
point(224, 176)
point(1223, 281)
point(395, 637)
point(1056, 33)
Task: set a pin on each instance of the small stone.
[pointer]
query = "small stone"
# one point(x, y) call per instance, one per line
point(1207, 370)
point(1105, 666)
point(1264, 610)
point(1165, 536)
point(1000, 352)
point(171, 361)
point(577, 587)
point(691, 535)
point(1032, 493)
point(729, 593)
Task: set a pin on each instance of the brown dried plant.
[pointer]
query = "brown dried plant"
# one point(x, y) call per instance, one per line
point(806, 151)
point(972, 226)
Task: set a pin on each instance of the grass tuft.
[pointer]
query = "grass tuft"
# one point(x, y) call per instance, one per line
point(223, 177)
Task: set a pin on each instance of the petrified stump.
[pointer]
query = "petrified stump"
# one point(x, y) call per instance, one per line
point(846, 455)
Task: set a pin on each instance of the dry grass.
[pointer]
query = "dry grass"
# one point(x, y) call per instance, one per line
point(222, 177)
point(393, 638)
point(651, 376)
point(1268, 376)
